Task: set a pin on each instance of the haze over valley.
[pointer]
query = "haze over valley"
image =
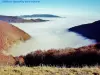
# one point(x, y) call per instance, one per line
point(52, 34)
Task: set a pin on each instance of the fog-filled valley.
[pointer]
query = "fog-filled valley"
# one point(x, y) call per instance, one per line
point(52, 34)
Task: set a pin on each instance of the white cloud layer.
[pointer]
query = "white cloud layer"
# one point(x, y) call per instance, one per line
point(52, 34)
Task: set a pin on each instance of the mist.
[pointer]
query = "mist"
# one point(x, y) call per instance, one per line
point(51, 34)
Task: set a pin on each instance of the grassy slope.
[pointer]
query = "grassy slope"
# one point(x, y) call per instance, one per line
point(48, 71)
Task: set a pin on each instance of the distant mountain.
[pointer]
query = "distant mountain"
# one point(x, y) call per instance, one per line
point(91, 30)
point(40, 15)
point(15, 19)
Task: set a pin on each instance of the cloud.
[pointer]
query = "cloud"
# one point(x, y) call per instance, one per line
point(51, 34)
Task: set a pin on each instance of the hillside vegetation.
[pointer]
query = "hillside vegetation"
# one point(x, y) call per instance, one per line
point(48, 71)
point(77, 57)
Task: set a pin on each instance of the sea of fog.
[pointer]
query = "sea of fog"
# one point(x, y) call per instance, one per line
point(52, 34)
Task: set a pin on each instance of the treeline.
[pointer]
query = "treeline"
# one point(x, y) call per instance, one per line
point(79, 57)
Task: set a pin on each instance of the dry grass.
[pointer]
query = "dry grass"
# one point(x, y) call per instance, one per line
point(49, 71)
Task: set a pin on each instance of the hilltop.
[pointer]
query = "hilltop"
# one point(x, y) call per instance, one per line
point(90, 30)
point(10, 35)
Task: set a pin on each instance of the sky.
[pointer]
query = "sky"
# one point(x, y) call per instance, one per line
point(58, 7)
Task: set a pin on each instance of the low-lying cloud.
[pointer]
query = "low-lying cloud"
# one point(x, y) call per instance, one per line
point(52, 34)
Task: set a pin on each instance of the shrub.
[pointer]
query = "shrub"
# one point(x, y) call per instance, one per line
point(87, 55)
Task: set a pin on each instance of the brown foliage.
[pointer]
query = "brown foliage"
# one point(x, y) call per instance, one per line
point(7, 60)
point(87, 55)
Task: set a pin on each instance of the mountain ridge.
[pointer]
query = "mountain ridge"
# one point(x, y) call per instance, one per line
point(16, 19)
point(90, 30)
point(41, 15)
